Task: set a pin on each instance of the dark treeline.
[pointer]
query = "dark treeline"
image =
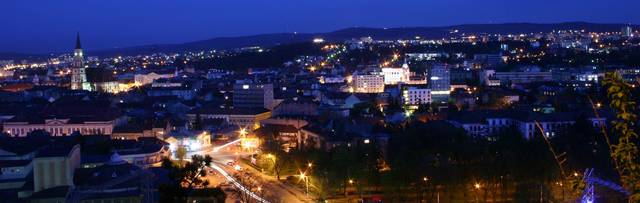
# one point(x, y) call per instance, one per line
point(427, 161)
point(273, 57)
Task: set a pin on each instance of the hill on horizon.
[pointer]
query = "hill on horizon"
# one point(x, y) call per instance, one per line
point(273, 39)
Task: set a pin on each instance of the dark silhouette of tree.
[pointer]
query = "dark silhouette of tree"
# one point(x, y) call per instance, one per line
point(271, 145)
point(185, 178)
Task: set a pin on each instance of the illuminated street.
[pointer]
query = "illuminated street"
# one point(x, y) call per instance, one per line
point(224, 174)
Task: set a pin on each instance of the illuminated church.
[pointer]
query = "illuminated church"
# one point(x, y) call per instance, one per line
point(78, 75)
point(91, 79)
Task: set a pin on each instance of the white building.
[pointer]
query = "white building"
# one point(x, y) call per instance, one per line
point(368, 83)
point(65, 121)
point(393, 76)
point(59, 127)
point(416, 96)
point(148, 78)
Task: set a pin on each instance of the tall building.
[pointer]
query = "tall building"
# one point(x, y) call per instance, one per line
point(439, 82)
point(78, 75)
point(627, 31)
point(250, 95)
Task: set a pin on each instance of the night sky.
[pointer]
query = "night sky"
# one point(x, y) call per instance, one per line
point(40, 26)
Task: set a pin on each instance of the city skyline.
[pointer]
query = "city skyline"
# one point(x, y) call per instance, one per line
point(319, 101)
point(143, 23)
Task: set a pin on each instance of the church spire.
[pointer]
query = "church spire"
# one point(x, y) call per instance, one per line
point(78, 46)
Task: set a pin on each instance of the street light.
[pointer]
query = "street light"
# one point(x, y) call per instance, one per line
point(477, 187)
point(243, 132)
point(309, 164)
point(423, 189)
point(306, 181)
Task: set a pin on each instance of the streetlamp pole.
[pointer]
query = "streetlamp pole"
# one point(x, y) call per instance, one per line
point(423, 193)
point(309, 165)
point(307, 183)
point(304, 177)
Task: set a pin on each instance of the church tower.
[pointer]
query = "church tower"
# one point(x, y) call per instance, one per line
point(78, 76)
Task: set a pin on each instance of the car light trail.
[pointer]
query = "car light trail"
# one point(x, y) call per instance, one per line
point(238, 185)
point(215, 149)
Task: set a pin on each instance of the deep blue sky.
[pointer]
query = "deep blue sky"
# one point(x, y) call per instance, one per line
point(37, 26)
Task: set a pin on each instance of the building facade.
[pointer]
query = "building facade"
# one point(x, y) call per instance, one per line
point(55, 167)
point(507, 78)
point(59, 127)
point(368, 83)
point(243, 117)
point(484, 123)
point(416, 96)
point(439, 82)
point(250, 95)
point(393, 76)
point(148, 78)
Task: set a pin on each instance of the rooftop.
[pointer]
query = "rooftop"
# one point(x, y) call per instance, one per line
point(228, 111)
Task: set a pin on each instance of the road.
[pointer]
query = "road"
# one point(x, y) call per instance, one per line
point(271, 190)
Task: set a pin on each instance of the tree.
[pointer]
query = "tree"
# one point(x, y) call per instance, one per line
point(625, 152)
point(248, 183)
point(213, 195)
point(181, 153)
point(274, 147)
point(185, 178)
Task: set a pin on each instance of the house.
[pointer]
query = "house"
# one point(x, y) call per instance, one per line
point(244, 117)
point(296, 107)
point(287, 135)
point(344, 100)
